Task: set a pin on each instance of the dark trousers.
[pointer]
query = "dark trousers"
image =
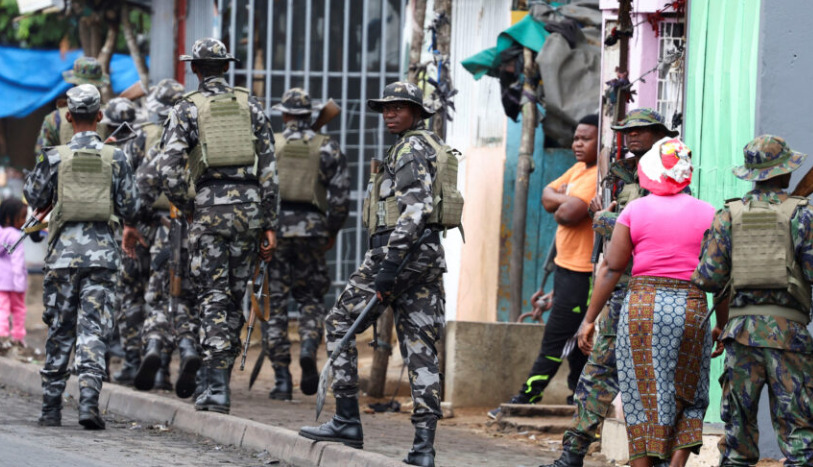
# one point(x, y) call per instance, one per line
point(571, 295)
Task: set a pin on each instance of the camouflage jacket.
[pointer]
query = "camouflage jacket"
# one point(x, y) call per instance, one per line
point(714, 271)
point(621, 174)
point(333, 175)
point(49, 132)
point(235, 185)
point(411, 165)
point(82, 244)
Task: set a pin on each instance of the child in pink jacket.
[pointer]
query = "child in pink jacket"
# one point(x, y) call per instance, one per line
point(13, 273)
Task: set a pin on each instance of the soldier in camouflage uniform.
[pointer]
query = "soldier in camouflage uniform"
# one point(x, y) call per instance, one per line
point(598, 383)
point(234, 211)
point(765, 338)
point(405, 185)
point(310, 218)
point(82, 258)
point(134, 272)
point(180, 329)
point(55, 128)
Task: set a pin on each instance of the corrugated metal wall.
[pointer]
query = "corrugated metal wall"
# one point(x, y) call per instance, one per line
point(721, 83)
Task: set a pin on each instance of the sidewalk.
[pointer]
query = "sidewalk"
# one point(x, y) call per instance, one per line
point(258, 423)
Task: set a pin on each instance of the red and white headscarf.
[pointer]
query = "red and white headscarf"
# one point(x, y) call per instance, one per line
point(666, 169)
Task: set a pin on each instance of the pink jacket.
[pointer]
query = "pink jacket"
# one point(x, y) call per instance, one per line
point(13, 274)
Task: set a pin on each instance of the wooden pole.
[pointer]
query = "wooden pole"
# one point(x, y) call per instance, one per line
point(444, 37)
point(416, 44)
point(524, 169)
point(624, 25)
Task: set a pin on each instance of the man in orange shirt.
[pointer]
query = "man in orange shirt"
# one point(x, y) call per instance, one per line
point(567, 198)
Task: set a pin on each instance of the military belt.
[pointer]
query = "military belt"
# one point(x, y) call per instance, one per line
point(299, 207)
point(382, 239)
point(226, 181)
point(776, 311)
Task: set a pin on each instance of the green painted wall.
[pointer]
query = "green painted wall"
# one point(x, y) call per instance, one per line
point(720, 108)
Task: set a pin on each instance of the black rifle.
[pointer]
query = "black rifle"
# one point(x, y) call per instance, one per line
point(177, 232)
point(33, 224)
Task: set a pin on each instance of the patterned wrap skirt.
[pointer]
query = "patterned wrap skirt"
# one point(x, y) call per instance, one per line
point(663, 358)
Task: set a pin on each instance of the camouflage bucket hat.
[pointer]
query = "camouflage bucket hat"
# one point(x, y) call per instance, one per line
point(767, 156)
point(84, 99)
point(163, 97)
point(400, 91)
point(208, 49)
point(119, 110)
point(295, 101)
point(641, 118)
point(86, 70)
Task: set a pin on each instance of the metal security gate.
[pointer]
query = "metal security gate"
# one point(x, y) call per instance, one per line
point(347, 50)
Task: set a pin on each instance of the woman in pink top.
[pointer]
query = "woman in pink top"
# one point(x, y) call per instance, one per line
point(13, 274)
point(663, 346)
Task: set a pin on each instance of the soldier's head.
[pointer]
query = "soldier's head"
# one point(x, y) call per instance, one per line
point(769, 161)
point(401, 105)
point(209, 58)
point(295, 105)
point(84, 102)
point(119, 110)
point(86, 70)
point(585, 140)
point(642, 128)
point(162, 98)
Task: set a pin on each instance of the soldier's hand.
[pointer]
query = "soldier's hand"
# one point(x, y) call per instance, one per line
point(331, 242)
point(595, 205)
point(268, 244)
point(718, 344)
point(385, 280)
point(130, 238)
point(585, 336)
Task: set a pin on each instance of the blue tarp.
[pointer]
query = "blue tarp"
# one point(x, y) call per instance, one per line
point(30, 79)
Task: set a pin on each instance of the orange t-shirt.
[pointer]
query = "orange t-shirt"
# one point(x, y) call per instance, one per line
point(574, 244)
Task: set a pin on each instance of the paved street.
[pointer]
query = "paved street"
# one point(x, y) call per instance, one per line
point(124, 442)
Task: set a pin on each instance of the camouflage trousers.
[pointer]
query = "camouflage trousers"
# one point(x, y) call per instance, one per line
point(224, 248)
point(789, 376)
point(185, 321)
point(598, 383)
point(130, 318)
point(419, 321)
point(79, 306)
point(298, 268)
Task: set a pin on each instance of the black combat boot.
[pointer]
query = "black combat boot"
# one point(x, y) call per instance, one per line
point(201, 382)
point(126, 376)
point(190, 364)
point(162, 375)
point(89, 416)
point(216, 397)
point(51, 410)
point(344, 427)
point(307, 361)
point(567, 459)
point(150, 363)
point(283, 384)
point(423, 447)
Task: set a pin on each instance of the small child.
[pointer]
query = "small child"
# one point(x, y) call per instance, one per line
point(13, 273)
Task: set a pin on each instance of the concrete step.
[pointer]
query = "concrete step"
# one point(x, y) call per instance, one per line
point(537, 410)
point(549, 424)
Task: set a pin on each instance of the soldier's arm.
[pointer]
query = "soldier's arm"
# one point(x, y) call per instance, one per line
point(49, 133)
point(604, 223)
point(802, 232)
point(267, 166)
point(148, 182)
point(124, 195)
point(335, 176)
point(178, 138)
point(714, 269)
point(40, 183)
point(413, 193)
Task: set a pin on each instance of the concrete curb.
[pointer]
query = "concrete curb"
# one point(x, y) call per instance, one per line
point(281, 443)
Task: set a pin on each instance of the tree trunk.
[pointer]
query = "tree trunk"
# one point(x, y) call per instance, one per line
point(524, 169)
point(444, 38)
point(416, 44)
point(132, 46)
point(106, 54)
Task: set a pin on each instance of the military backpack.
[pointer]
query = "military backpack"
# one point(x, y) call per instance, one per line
point(84, 187)
point(762, 252)
point(298, 163)
point(225, 132)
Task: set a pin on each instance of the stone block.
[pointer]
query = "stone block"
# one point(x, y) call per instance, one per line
point(487, 363)
point(221, 428)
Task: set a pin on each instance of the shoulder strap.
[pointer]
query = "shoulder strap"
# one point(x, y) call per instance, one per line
point(65, 152)
point(279, 142)
point(196, 98)
point(428, 137)
point(108, 152)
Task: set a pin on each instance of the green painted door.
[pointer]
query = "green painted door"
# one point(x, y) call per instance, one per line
point(721, 87)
